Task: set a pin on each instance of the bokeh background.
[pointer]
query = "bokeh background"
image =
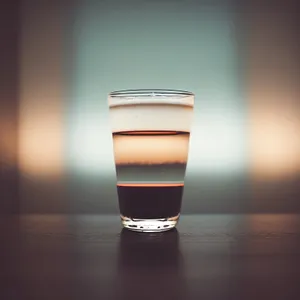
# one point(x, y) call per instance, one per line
point(60, 59)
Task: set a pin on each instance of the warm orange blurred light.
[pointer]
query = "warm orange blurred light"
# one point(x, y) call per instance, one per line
point(275, 142)
point(41, 91)
point(40, 143)
point(274, 95)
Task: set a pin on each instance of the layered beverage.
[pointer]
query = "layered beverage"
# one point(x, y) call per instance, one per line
point(151, 131)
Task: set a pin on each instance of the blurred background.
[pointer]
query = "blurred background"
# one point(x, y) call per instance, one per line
point(60, 59)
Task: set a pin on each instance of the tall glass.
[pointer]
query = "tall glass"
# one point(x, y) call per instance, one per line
point(151, 131)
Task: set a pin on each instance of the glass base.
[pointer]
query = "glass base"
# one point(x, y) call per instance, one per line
point(149, 225)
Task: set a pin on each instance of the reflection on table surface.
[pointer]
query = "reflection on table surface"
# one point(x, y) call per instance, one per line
point(210, 256)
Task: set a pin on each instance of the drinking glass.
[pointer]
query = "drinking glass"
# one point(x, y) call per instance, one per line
point(151, 132)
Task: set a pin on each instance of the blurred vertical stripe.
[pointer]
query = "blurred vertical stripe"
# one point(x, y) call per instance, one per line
point(9, 102)
point(274, 105)
point(41, 111)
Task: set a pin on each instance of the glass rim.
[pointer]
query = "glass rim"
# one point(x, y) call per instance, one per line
point(150, 93)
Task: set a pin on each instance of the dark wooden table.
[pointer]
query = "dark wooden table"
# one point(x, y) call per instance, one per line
point(207, 257)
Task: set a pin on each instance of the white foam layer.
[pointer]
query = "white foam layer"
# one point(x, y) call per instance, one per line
point(151, 117)
point(157, 99)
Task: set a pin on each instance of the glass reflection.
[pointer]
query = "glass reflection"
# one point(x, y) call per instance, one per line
point(150, 266)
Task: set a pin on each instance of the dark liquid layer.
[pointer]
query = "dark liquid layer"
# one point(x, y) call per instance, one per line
point(144, 202)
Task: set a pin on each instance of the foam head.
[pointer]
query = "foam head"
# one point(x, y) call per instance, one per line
point(145, 110)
